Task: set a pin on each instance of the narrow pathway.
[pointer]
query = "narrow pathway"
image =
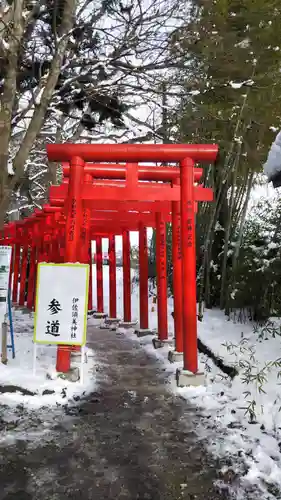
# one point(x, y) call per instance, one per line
point(132, 439)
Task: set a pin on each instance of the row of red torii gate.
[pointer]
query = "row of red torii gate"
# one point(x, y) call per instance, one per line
point(109, 190)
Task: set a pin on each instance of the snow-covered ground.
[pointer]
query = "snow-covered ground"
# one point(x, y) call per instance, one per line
point(45, 388)
point(242, 417)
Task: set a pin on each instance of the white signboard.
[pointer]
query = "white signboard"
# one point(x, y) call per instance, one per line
point(61, 304)
point(5, 263)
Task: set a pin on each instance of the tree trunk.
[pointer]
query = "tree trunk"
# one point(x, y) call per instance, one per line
point(228, 231)
point(40, 109)
point(242, 221)
point(9, 90)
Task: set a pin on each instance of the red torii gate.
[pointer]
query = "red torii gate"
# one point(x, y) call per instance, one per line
point(80, 189)
point(164, 174)
point(107, 223)
point(104, 199)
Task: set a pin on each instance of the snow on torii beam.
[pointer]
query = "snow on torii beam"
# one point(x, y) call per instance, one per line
point(132, 152)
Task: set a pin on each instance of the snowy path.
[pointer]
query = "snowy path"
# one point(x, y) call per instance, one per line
point(132, 440)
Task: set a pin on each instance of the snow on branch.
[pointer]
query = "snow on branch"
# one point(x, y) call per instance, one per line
point(38, 175)
point(23, 207)
point(94, 73)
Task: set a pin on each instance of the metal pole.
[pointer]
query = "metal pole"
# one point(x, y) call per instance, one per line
point(190, 361)
point(143, 277)
point(161, 260)
point(4, 358)
point(11, 325)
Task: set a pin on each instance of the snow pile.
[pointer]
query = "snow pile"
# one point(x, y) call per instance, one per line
point(18, 384)
point(272, 166)
point(246, 410)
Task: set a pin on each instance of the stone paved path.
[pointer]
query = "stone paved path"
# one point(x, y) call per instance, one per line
point(132, 439)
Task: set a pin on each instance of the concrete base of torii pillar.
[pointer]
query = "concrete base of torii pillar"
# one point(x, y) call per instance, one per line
point(127, 324)
point(112, 321)
point(175, 356)
point(157, 343)
point(144, 332)
point(186, 378)
point(99, 315)
point(110, 324)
